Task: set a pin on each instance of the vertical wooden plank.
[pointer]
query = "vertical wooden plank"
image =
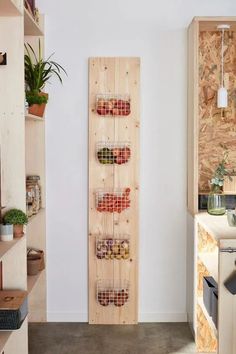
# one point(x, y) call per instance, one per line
point(115, 76)
point(227, 301)
point(193, 117)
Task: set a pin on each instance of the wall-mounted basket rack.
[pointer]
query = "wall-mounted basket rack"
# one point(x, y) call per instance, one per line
point(109, 153)
point(113, 292)
point(113, 201)
point(113, 247)
point(111, 105)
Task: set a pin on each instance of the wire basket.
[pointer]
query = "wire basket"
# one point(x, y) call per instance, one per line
point(113, 292)
point(109, 247)
point(113, 105)
point(109, 153)
point(114, 201)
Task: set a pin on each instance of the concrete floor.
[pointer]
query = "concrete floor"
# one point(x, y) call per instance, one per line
point(81, 338)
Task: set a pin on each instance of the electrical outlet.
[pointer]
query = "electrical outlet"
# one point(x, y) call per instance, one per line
point(3, 58)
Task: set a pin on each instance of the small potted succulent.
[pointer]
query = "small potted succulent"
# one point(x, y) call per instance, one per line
point(37, 73)
point(6, 232)
point(18, 219)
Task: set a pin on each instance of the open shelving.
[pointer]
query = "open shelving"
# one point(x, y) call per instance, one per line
point(31, 27)
point(35, 165)
point(31, 117)
point(32, 281)
point(9, 8)
point(8, 246)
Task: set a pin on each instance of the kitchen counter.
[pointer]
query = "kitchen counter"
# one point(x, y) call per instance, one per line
point(217, 226)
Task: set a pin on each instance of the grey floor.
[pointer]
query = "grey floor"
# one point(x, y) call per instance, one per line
point(77, 338)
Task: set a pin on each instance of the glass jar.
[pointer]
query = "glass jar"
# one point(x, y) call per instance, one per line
point(216, 204)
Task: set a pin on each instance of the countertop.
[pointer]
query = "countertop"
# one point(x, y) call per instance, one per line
point(217, 226)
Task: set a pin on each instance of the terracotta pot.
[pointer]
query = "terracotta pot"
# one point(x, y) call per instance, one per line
point(38, 109)
point(18, 230)
point(33, 265)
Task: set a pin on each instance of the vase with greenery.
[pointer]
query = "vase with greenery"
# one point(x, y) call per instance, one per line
point(216, 200)
point(18, 219)
point(38, 72)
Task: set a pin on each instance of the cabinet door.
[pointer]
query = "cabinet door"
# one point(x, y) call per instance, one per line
point(227, 301)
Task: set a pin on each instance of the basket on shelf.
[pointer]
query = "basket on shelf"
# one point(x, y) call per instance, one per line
point(113, 292)
point(114, 201)
point(109, 153)
point(113, 247)
point(112, 105)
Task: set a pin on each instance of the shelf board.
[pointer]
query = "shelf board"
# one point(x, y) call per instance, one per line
point(33, 217)
point(208, 317)
point(4, 336)
point(30, 25)
point(32, 280)
point(31, 117)
point(6, 246)
point(210, 260)
point(9, 8)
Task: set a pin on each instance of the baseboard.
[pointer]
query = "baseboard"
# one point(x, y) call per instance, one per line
point(162, 317)
point(67, 317)
point(143, 317)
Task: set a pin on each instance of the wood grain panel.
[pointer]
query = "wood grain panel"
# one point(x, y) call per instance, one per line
point(114, 76)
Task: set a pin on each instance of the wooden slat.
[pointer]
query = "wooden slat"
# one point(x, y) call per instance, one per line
point(117, 76)
point(193, 118)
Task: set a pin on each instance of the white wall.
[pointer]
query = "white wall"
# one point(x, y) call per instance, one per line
point(155, 30)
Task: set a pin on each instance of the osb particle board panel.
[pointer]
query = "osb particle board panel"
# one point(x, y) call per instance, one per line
point(206, 340)
point(114, 76)
point(206, 242)
point(215, 125)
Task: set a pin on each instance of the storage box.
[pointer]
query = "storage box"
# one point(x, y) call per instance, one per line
point(215, 307)
point(209, 285)
point(13, 309)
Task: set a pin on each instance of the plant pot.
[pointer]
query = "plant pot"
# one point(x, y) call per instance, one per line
point(38, 109)
point(33, 264)
point(18, 230)
point(6, 232)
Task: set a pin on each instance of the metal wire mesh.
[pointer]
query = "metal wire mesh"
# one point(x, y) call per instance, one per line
point(114, 201)
point(113, 292)
point(113, 105)
point(109, 247)
point(109, 153)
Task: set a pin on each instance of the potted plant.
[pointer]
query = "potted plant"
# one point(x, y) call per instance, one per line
point(216, 200)
point(6, 232)
point(18, 219)
point(37, 73)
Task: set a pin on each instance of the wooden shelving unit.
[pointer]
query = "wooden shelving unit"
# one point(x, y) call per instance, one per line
point(32, 281)
point(10, 8)
point(31, 117)
point(208, 126)
point(35, 165)
point(8, 246)
point(31, 28)
point(12, 132)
